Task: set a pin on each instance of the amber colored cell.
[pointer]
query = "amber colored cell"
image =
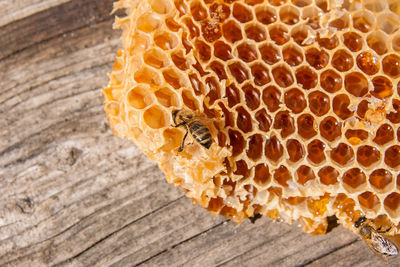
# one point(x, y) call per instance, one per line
point(181, 7)
point(193, 29)
point(219, 12)
point(342, 60)
point(368, 63)
point(392, 201)
point(271, 96)
point(328, 43)
point(256, 32)
point(139, 97)
point(284, 122)
point(232, 31)
point(362, 108)
point(289, 15)
point(353, 41)
point(266, 15)
point(330, 128)
point(239, 71)
point(306, 77)
point(172, 24)
point(363, 21)
point(367, 155)
point(221, 139)
point(241, 13)
point(331, 81)
point(318, 59)
point(203, 49)
point(282, 76)
point(222, 51)
point(384, 134)
point(247, 52)
point(270, 54)
point(306, 126)
point(255, 147)
point(186, 44)
point(211, 31)
point(304, 174)
point(189, 100)
point(380, 178)
point(260, 74)
point(172, 77)
point(282, 176)
point(279, 34)
point(356, 84)
point(273, 149)
point(342, 154)
point(319, 103)
point(252, 96)
point(197, 85)
point(315, 151)
point(215, 204)
point(219, 69)
point(199, 12)
point(261, 175)
point(292, 55)
point(340, 106)
point(391, 65)
point(299, 34)
point(294, 201)
point(356, 136)
point(354, 178)
point(295, 150)
point(155, 117)
point(392, 156)
point(166, 97)
point(368, 200)
point(295, 100)
point(242, 168)
point(233, 95)
point(264, 121)
point(243, 120)
point(180, 61)
point(394, 116)
point(236, 141)
point(378, 42)
point(328, 175)
point(214, 89)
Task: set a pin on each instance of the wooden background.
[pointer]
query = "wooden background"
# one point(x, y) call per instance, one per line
point(72, 194)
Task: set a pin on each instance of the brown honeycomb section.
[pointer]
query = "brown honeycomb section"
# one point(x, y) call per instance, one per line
point(301, 98)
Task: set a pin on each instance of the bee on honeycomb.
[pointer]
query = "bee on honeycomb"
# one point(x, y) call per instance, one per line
point(301, 99)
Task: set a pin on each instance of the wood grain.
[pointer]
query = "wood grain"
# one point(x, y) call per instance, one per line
point(72, 194)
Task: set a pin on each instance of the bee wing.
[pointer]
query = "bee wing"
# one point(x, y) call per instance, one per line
point(383, 245)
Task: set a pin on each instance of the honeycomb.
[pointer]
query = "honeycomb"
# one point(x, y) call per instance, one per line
point(301, 97)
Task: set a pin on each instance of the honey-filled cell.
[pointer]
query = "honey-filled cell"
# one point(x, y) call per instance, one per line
point(356, 136)
point(282, 76)
point(262, 176)
point(315, 151)
point(270, 53)
point(328, 43)
point(265, 14)
point(378, 42)
point(260, 74)
point(330, 128)
point(343, 154)
point(367, 155)
point(255, 147)
point(273, 149)
point(292, 55)
point(383, 87)
point(391, 65)
point(284, 122)
point(279, 34)
point(340, 106)
point(247, 52)
point(342, 60)
point(353, 41)
point(368, 63)
point(295, 150)
point(369, 200)
point(331, 81)
point(295, 100)
point(318, 59)
point(392, 156)
point(354, 178)
point(264, 120)
point(231, 31)
point(242, 168)
point(256, 32)
point(282, 176)
point(222, 51)
point(384, 134)
point(243, 121)
point(306, 126)
point(236, 141)
point(252, 96)
point(392, 203)
point(306, 77)
point(271, 98)
point(380, 178)
point(304, 174)
point(239, 71)
point(356, 84)
point(328, 175)
point(219, 11)
point(319, 103)
point(289, 15)
point(363, 21)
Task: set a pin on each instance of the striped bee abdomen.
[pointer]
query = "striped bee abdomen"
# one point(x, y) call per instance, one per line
point(200, 133)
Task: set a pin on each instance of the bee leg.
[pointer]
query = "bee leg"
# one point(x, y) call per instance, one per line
point(180, 124)
point(183, 142)
point(379, 230)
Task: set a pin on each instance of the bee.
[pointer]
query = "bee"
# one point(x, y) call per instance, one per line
point(197, 129)
point(374, 237)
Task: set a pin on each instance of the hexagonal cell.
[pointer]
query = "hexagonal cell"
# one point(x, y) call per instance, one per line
point(244, 121)
point(328, 175)
point(367, 155)
point(215, 204)
point(172, 139)
point(165, 40)
point(204, 50)
point(193, 29)
point(180, 60)
point(369, 201)
point(362, 108)
point(155, 117)
point(236, 141)
point(295, 100)
point(340, 106)
point(247, 52)
point(315, 151)
point(285, 123)
point(260, 74)
point(295, 150)
point(263, 119)
point(273, 149)
point(343, 154)
point(353, 180)
point(289, 15)
point(306, 126)
point(155, 58)
point(394, 116)
point(174, 78)
point(211, 31)
point(353, 41)
point(239, 71)
point(340, 23)
point(331, 81)
point(375, 6)
point(148, 22)
point(180, 6)
point(356, 84)
point(330, 128)
point(282, 76)
point(232, 31)
point(199, 12)
point(242, 13)
point(299, 33)
point(380, 179)
point(233, 95)
point(306, 77)
point(328, 43)
point(219, 69)
point(279, 34)
point(270, 53)
point(262, 177)
point(255, 147)
point(189, 100)
point(396, 42)
point(319, 103)
point(266, 15)
point(342, 60)
point(383, 87)
point(363, 20)
point(379, 42)
point(222, 51)
point(139, 97)
point(256, 32)
point(304, 174)
point(148, 76)
point(271, 98)
point(172, 24)
point(318, 59)
point(219, 12)
point(392, 156)
point(384, 134)
point(311, 14)
point(292, 55)
point(242, 168)
point(392, 203)
point(388, 22)
point(214, 90)
point(391, 65)
point(282, 176)
point(356, 136)
point(161, 6)
point(252, 96)
point(197, 85)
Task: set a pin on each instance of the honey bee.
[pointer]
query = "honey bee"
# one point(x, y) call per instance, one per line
point(197, 129)
point(374, 237)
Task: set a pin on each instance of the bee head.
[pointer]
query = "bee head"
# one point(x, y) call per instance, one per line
point(359, 221)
